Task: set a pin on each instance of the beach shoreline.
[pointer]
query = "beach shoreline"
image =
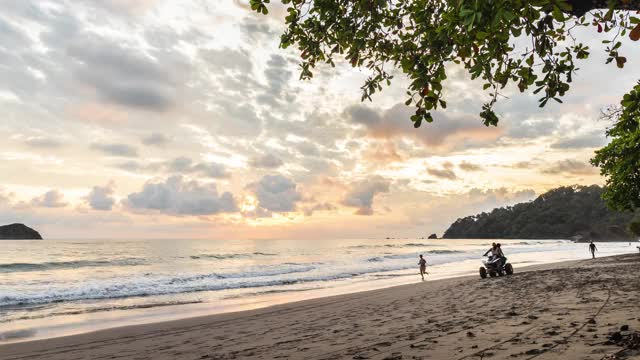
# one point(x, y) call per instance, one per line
point(368, 324)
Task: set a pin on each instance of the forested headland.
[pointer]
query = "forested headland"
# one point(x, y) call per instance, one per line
point(571, 212)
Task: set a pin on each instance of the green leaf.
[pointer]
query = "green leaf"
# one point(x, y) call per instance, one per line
point(481, 35)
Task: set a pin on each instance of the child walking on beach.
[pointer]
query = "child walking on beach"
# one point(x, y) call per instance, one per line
point(423, 267)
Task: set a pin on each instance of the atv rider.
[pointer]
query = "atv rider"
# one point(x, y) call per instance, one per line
point(496, 252)
point(494, 246)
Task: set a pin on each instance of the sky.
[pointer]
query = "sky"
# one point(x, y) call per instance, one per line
point(166, 119)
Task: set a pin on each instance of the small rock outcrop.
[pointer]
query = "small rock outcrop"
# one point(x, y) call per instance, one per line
point(433, 236)
point(18, 232)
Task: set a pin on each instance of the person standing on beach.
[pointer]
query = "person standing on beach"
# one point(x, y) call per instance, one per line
point(593, 249)
point(423, 267)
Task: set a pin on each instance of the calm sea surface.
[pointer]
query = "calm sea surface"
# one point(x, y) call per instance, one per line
point(58, 287)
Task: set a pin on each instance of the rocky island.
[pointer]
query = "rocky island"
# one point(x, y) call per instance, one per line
point(18, 232)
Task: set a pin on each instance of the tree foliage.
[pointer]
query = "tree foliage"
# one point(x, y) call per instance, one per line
point(424, 37)
point(634, 227)
point(619, 161)
point(558, 214)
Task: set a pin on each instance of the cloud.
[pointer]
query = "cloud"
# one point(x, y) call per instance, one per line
point(307, 148)
point(467, 166)
point(50, 199)
point(11, 36)
point(181, 165)
point(278, 77)
point(522, 165)
point(444, 173)
point(176, 196)
point(236, 118)
point(590, 140)
point(447, 129)
point(155, 139)
point(223, 59)
point(492, 198)
point(266, 161)
point(570, 166)
point(256, 29)
point(276, 193)
point(362, 193)
point(212, 170)
point(43, 143)
point(185, 165)
point(122, 150)
point(531, 129)
point(126, 77)
point(385, 152)
point(101, 198)
point(308, 211)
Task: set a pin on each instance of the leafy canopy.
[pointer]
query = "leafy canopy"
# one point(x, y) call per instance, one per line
point(619, 161)
point(634, 227)
point(422, 37)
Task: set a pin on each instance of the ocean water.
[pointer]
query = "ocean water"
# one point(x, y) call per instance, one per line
point(58, 287)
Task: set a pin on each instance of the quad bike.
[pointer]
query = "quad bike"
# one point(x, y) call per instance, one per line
point(494, 266)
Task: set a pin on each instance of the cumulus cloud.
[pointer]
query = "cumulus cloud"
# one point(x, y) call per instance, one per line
point(362, 193)
point(155, 139)
point(276, 193)
point(571, 167)
point(101, 198)
point(266, 161)
point(50, 199)
point(122, 150)
point(177, 196)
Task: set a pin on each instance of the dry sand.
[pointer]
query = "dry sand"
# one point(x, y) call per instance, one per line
point(559, 311)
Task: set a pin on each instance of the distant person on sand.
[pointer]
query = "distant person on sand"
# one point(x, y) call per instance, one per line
point(593, 249)
point(423, 267)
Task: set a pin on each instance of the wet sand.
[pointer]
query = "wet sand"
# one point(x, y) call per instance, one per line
point(569, 310)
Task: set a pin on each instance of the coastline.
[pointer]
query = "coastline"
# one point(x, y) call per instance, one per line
point(430, 319)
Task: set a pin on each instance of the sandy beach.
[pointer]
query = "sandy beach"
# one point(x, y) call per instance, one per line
point(585, 309)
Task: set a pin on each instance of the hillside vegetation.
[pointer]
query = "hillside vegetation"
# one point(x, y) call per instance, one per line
point(576, 212)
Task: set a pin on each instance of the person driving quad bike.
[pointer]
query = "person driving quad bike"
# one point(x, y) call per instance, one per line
point(496, 251)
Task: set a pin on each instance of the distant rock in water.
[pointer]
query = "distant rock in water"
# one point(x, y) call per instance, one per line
point(433, 236)
point(18, 232)
point(573, 212)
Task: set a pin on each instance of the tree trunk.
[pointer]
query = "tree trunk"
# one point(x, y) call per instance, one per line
point(581, 7)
